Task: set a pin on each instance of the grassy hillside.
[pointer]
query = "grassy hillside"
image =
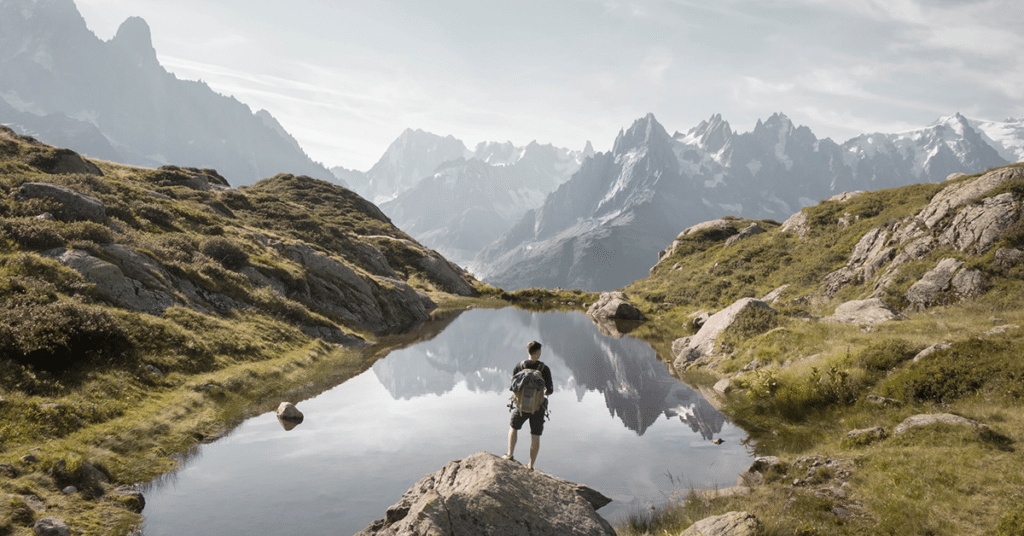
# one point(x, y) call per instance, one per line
point(132, 333)
point(799, 382)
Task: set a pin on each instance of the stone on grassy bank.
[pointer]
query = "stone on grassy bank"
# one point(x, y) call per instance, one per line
point(484, 494)
point(51, 526)
point(928, 419)
point(869, 311)
point(688, 349)
point(74, 206)
point(728, 524)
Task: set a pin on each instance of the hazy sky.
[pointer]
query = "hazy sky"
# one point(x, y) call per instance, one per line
point(347, 77)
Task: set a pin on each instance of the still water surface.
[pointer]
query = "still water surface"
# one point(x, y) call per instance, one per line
point(619, 423)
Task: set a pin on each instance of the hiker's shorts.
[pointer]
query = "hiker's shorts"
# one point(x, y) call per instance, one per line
point(536, 419)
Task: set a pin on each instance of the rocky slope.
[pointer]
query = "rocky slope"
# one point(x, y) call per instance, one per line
point(113, 100)
point(594, 235)
point(874, 326)
point(149, 241)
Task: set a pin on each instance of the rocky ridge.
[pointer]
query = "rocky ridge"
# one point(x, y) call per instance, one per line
point(140, 259)
point(962, 221)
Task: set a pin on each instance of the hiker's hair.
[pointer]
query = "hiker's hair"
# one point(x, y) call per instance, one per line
point(533, 347)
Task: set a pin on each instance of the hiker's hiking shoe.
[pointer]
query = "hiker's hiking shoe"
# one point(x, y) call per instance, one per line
point(508, 457)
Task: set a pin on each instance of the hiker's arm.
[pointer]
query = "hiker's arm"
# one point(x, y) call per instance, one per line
point(547, 380)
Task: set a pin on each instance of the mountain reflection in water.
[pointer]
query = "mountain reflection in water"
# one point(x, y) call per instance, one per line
point(637, 388)
point(619, 423)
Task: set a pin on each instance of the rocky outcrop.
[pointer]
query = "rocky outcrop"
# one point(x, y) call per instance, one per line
point(448, 275)
point(728, 524)
point(797, 224)
point(868, 256)
point(112, 282)
point(869, 311)
point(931, 350)
point(614, 305)
point(704, 342)
point(749, 231)
point(959, 216)
point(923, 292)
point(51, 526)
point(866, 436)
point(951, 197)
point(74, 206)
point(918, 421)
point(484, 494)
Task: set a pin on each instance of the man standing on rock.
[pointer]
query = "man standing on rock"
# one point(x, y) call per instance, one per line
point(536, 418)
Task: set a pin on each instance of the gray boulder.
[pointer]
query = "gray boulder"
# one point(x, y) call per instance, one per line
point(869, 311)
point(798, 224)
point(751, 230)
point(969, 284)
point(976, 228)
point(484, 494)
point(728, 524)
point(614, 305)
point(1007, 258)
point(74, 206)
point(446, 275)
point(704, 342)
point(867, 435)
point(917, 421)
point(287, 411)
point(957, 194)
point(130, 498)
point(869, 255)
point(923, 293)
point(114, 284)
point(931, 350)
point(51, 526)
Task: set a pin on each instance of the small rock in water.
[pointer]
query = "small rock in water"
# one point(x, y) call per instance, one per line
point(718, 441)
point(287, 411)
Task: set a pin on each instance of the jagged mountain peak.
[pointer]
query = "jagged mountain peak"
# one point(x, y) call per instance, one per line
point(642, 134)
point(134, 32)
point(778, 122)
point(710, 135)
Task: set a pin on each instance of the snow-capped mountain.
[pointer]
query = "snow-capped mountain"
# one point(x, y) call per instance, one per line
point(604, 227)
point(113, 100)
point(1006, 137)
point(597, 230)
point(467, 203)
point(415, 154)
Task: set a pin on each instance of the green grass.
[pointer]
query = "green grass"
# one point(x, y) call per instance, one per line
point(82, 380)
point(801, 383)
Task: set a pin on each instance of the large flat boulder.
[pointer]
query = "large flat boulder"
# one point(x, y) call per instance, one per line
point(73, 205)
point(484, 494)
point(703, 343)
point(869, 311)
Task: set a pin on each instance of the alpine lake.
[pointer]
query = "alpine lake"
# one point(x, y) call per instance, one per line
point(619, 423)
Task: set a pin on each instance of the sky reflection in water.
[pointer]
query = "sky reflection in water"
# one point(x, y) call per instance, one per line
point(619, 423)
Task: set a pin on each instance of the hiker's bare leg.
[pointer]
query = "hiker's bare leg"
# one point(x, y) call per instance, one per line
point(512, 437)
point(534, 448)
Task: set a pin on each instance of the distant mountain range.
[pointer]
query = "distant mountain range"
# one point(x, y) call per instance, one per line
point(114, 101)
point(468, 200)
point(539, 216)
point(604, 227)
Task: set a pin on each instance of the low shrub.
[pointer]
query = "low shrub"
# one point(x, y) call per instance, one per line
point(59, 336)
point(887, 354)
point(968, 367)
point(32, 233)
point(223, 250)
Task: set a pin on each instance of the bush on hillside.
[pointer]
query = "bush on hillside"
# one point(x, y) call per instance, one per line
point(886, 355)
point(59, 336)
point(223, 250)
point(969, 367)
